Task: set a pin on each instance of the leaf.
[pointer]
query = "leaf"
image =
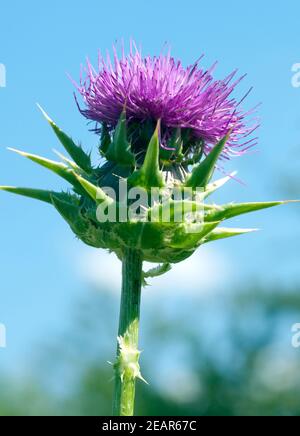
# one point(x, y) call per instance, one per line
point(57, 167)
point(37, 194)
point(149, 175)
point(82, 159)
point(223, 232)
point(155, 272)
point(203, 172)
point(41, 195)
point(232, 210)
point(120, 150)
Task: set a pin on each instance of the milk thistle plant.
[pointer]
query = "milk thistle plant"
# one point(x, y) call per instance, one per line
point(163, 130)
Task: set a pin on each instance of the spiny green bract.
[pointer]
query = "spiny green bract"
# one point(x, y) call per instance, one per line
point(158, 240)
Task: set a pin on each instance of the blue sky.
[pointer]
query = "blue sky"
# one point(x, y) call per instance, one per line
point(40, 260)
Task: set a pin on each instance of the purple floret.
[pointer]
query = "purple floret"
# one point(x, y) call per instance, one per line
point(162, 88)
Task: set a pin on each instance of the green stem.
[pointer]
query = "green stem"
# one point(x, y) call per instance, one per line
point(127, 366)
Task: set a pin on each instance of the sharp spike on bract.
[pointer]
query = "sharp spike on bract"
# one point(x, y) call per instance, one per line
point(214, 186)
point(37, 194)
point(192, 235)
point(228, 211)
point(120, 150)
point(57, 167)
point(95, 192)
point(66, 160)
point(82, 159)
point(203, 172)
point(223, 233)
point(149, 175)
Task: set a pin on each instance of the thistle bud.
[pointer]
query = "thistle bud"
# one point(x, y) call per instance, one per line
point(163, 129)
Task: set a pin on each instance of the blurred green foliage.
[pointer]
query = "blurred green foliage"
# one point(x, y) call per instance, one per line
point(231, 357)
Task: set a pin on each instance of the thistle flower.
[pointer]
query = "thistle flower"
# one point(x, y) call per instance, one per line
point(157, 120)
point(161, 88)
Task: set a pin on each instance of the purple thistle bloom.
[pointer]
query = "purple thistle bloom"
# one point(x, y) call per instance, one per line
point(155, 88)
